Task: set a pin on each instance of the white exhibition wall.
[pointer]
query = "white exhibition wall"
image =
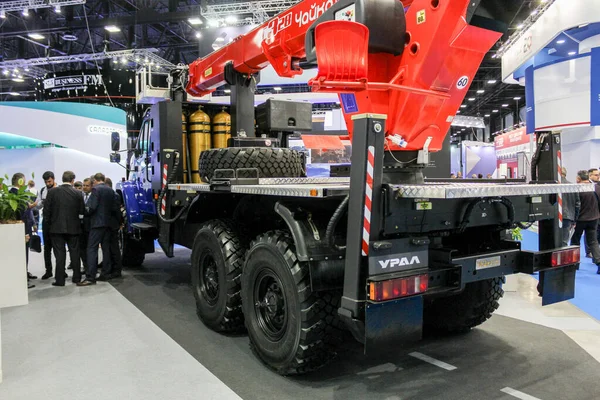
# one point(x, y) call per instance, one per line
point(562, 94)
point(58, 160)
point(580, 149)
point(89, 134)
point(82, 132)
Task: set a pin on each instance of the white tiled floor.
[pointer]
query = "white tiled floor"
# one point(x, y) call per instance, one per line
point(521, 302)
point(92, 343)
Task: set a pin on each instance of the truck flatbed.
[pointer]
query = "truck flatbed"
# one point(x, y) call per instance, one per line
point(331, 187)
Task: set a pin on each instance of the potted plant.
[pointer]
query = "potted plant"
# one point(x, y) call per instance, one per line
point(13, 268)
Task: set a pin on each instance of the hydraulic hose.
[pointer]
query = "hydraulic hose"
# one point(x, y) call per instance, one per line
point(333, 222)
point(163, 193)
point(510, 209)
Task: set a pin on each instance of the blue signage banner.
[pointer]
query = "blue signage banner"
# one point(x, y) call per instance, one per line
point(530, 100)
point(595, 87)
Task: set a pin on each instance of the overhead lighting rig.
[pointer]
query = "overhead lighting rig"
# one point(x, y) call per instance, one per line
point(524, 26)
point(139, 58)
point(23, 6)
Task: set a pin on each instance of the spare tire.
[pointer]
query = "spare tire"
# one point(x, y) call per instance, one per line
point(270, 162)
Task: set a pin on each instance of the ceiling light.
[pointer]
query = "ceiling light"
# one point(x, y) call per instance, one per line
point(220, 39)
point(2, 14)
point(18, 80)
point(195, 21)
point(520, 26)
point(480, 91)
point(123, 60)
point(487, 115)
point(115, 61)
point(227, 91)
point(112, 28)
point(26, 69)
point(231, 19)
point(494, 111)
point(36, 36)
point(57, 9)
point(492, 82)
point(277, 88)
point(463, 129)
point(458, 112)
point(137, 59)
point(463, 106)
point(517, 98)
point(198, 35)
point(494, 55)
point(471, 98)
point(504, 105)
point(572, 53)
point(146, 60)
point(25, 13)
point(561, 41)
point(16, 71)
point(214, 23)
point(5, 72)
point(14, 94)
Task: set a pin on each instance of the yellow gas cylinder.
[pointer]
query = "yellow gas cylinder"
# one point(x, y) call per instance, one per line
point(184, 147)
point(221, 129)
point(199, 140)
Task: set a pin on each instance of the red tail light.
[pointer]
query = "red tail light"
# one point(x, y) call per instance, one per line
point(565, 257)
point(396, 288)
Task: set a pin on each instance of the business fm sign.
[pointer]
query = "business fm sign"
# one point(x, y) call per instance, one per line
point(72, 82)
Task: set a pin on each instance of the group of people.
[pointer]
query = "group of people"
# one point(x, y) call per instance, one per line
point(80, 216)
point(581, 215)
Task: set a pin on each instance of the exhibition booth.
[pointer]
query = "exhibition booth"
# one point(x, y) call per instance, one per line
point(557, 58)
point(56, 136)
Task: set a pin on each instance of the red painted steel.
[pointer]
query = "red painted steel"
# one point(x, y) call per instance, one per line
point(420, 90)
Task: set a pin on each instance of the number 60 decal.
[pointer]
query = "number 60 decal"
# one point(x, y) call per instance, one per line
point(462, 83)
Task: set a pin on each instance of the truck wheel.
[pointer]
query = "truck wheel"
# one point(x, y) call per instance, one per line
point(463, 311)
point(270, 162)
point(286, 322)
point(217, 258)
point(132, 252)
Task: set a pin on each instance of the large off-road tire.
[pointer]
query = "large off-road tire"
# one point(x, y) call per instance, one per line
point(270, 162)
point(463, 311)
point(217, 259)
point(287, 323)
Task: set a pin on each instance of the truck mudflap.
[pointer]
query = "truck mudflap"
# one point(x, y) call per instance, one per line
point(557, 270)
point(386, 322)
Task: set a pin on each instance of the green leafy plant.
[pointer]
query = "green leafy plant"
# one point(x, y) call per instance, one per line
point(516, 234)
point(10, 203)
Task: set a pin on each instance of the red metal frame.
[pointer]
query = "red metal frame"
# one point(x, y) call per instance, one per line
point(420, 91)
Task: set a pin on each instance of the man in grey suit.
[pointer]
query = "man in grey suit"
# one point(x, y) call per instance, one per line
point(63, 209)
point(100, 208)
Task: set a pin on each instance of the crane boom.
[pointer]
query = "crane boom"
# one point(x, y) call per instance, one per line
point(418, 79)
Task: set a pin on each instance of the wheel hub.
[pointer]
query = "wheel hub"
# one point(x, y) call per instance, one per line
point(270, 306)
point(209, 284)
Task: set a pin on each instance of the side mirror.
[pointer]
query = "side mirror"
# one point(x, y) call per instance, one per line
point(115, 141)
point(115, 158)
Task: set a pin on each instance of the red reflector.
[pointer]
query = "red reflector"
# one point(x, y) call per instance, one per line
point(396, 288)
point(565, 257)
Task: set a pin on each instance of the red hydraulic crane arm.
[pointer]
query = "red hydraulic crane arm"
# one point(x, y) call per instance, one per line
point(279, 42)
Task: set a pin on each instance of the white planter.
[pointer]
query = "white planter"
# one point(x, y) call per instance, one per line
point(13, 270)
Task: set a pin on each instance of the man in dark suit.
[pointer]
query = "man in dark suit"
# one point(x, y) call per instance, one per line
point(64, 210)
point(87, 225)
point(100, 208)
point(588, 220)
point(115, 225)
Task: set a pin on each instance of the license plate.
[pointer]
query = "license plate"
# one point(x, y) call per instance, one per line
point(489, 262)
